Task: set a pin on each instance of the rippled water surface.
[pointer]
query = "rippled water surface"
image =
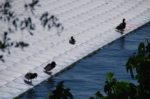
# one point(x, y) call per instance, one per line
point(88, 75)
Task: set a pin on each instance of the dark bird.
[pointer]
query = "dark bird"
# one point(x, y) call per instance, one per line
point(31, 76)
point(122, 25)
point(50, 66)
point(72, 40)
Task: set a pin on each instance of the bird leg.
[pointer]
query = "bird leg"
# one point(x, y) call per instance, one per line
point(51, 72)
point(125, 30)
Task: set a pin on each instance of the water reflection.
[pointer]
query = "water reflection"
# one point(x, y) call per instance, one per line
point(41, 91)
point(30, 94)
point(122, 42)
point(50, 84)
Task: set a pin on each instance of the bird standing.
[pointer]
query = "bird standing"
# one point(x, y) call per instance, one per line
point(72, 40)
point(31, 76)
point(50, 66)
point(122, 25)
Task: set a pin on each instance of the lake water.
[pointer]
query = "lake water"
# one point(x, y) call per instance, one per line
point(88, 75)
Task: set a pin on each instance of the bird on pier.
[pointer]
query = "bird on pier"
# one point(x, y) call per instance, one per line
point(72, 40)
point(50, 66)
point(31, 76)
point(122, 25)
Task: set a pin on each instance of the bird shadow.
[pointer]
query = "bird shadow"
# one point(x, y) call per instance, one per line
point(58, 33)
point(120, 31)
point(48, 73)
point(28, 82)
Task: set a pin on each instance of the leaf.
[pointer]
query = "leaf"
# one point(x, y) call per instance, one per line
point(14, 23)
point(31, 33)
point(12, 44)
point(17, 44)
point(127, 68)
point(62, 28)
point(133, 88)
point(8, 39)
point(38, 5)
point(31, 27)
point(17, 19)
point(1, 17)
point(67, 93)
point(49, 26)
point(35, 2)
point(45, 22)
point(58, 25)
point(128, 64)
point(21, 23)
point(29, 20)
point(148, 59)
point(56, 19)
point(60, 83)
point(7, 4)
point(49, 94)
point(131, 72)
point(109, 76)
point(124, 85)
point(107, 87)
point(91, 98)
point(5, 33)
point(144, 38)
point(9, 29)
point(98, 94)
point(148, 47)
point(137, 76)
point(26, 6)
point(1, 58)
point(26, 23)
point(114, 80)
point(5, 11)
point(8, 18)
point(23, 28)
point(11, 14)
point(52, 16)
point(141, 48)
point(138, 64)
point(9, 52)
point(44, 15)
point(22, 44)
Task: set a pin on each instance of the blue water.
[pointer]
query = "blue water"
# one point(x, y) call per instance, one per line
point(88, 75)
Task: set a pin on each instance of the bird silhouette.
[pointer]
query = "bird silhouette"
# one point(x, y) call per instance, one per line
point(50, 66)
point(72, 40)
point(122, 25)
point(31, 76)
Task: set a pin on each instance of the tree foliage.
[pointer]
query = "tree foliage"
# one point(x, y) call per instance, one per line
point(141, 63)
point(60, 92)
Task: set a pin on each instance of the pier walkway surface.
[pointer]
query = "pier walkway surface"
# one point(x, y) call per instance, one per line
point(91, 22)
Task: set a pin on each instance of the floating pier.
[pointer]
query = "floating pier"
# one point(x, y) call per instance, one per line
point(91, 22)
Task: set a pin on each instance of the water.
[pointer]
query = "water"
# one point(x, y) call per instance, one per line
point(88, 76)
